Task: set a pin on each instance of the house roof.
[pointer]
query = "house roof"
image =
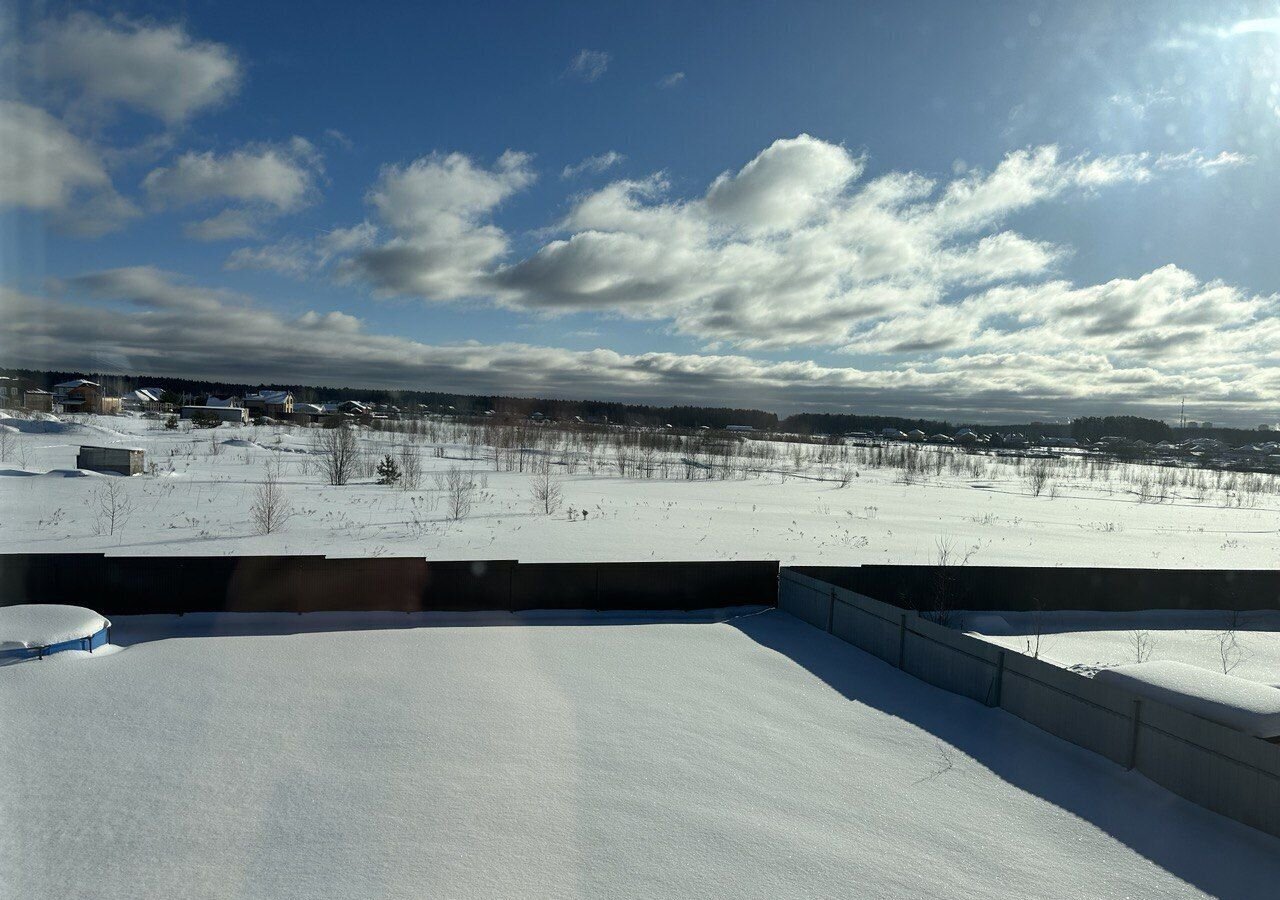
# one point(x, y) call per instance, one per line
point(146, 395)
point(79, 382)
point(270, 396)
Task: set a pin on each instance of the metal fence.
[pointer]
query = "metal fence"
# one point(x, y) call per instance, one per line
point(1214, 766)
point(131, 585)
point(1057, 587)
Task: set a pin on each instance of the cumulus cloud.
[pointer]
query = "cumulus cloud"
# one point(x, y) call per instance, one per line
point(149, 320)
point(588, 65)
point(44, 167)
point(593, 165)
point(278, 176)
point(794, 248)
point(156, 69)
point(435, 211)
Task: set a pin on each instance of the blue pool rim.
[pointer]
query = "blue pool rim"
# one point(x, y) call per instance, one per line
point(90, 643)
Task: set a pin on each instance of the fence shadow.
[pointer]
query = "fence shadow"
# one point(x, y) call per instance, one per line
point(1193, 844)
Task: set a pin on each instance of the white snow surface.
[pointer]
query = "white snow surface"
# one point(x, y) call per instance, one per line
point(581, 755)
point(1089, 641)
point(795, 511)
point(1244, 705)
point(29, 625)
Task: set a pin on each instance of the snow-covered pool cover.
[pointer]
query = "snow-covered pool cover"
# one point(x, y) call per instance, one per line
point(32, 625)
point(1244, 705)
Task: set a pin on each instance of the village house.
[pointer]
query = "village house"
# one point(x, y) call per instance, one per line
point(83, 396)
point(37, 400)
point(275, 404)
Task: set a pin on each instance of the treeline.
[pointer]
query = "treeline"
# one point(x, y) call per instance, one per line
point(458, 404)
point(1133, 428)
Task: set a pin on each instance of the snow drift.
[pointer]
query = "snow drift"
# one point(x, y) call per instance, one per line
point(1243, 705)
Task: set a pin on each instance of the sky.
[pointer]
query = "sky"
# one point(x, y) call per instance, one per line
point(1001, 211)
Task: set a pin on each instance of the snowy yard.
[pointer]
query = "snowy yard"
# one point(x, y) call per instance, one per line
point(801, 504)
point(1246, 645)
point(571, 755)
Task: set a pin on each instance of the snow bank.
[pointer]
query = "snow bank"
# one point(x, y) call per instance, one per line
point(1244, 705)
point(33, 625)
point(986, 623)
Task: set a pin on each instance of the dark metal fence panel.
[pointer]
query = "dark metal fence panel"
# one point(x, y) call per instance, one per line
point(120, 585)
point(1029, 587)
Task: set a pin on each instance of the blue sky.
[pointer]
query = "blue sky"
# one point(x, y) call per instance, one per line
point(1007, 209)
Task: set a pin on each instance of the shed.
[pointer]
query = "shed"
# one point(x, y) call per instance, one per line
point(125, 460)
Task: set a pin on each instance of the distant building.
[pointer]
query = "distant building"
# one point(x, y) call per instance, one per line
point(11, 391)
point(223, 402)
point(38, 400)
point(739, 428)
point(269, 403)
point(892, 434)
point(917, 436)
point(233, 414)
point(84, 396)
point(149, 399)
point(124, 460)
point(966, 436)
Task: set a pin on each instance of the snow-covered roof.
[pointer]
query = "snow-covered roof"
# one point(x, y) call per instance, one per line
point(79, 382)
point(270, 396)
point(220, 402)
point(1247, 706)
point(146, 395)
point(34, 625)
point(313, 408)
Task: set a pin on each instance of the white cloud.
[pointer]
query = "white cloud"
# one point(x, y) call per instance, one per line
point(588, 65)
point(44, 167)
point(278, 176)
point(158, 69)
point(593, 165)
point(153, 321)
point(435, 209)
point(792, 249)
point(227, 225)
point(675, 79)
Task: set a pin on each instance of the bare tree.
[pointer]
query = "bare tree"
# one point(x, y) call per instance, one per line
point(1230, 651)
point(1142, 644)
point(270, 509)
point(1039, 475)
point(339, 453)
point(410, 467)
point(112, 507)
point(545, 490)
point(459, 489)
point(8, 441)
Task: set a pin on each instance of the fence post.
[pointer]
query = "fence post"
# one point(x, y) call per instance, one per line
point(997, 686)
point(1133, 738)
point(902, 638)
point(831, 611)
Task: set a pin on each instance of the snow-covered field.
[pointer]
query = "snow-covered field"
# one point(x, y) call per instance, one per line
point(256, 756)
point(787, 503)
point(1246, 645)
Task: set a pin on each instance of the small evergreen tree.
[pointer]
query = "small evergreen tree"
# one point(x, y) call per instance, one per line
point(171, 423)
point(388, 470)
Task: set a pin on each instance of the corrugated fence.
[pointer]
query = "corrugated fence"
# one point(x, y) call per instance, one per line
point(132, 585)
point(1214, 766)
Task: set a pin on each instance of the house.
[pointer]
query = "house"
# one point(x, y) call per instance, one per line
point(917, 436)
point(942, 439)
point(149, 399)
point(892, 434)
point(11, 391)
point(38, 400)
point(269, 403)
point(82, 395)
point(234, 414)
point(125, 460)
point(966, 436)
point(223, 402)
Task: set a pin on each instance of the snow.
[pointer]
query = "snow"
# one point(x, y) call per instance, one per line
point(1089, 641)
point(796, 512)
point(659, 757)
point(1243, 705)
point(30, 625)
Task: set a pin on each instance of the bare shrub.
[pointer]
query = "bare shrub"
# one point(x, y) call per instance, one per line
point(8, 441)
point(270, 509)
point(112, 508)
point(410, 467)
point(1230, 651)
point(339, 453)
point(1142, 644)
point(545, 490)
point(459, 491)
point(1039, 475)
